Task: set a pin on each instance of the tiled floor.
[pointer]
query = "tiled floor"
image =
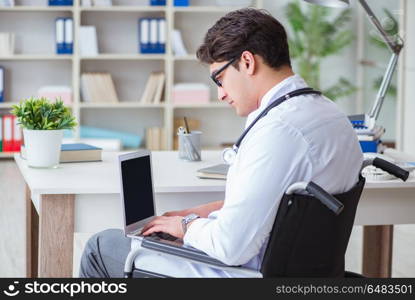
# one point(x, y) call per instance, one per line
point(12, 228)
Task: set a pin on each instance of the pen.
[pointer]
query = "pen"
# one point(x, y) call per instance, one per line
point(187, 125)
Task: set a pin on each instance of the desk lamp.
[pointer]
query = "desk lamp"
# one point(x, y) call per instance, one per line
point(395, 43)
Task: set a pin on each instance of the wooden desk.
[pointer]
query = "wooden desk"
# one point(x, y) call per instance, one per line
point(84, 197)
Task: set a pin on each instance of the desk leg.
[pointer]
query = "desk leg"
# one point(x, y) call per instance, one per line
point(56, 221)
point(32, 234)
point(377, 251)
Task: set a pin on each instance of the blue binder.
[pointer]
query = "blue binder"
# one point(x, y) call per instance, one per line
point(68, 36)
point(181, 2)
point(2, 84)
point(161, 35)
point(60, 35)
point(157, 2)
point(144, 35)
point(60, 2)
point(154, 46)
point(152, 35)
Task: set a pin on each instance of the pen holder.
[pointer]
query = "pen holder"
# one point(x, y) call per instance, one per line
point(189, 146)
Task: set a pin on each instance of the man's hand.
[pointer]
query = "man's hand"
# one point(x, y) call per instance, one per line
point(171, 225)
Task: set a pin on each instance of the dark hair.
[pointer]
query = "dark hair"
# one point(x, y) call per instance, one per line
point(248, 29)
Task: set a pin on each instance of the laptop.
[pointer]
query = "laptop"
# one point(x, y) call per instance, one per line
point(139, 208)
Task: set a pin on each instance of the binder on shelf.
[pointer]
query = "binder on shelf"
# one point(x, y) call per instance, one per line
point(60, 2)
point(157, 2)
point(1, 134)
point(7, 133)
point(6, 43)
point(161, 35)
point(177, 43)
point(144, 38)
point(17, 135)
point(2, 81)
point(103, 3)
point(68, 36)
point(88, 45)
point(153, 35)
point(60, 35)
point(181, 2)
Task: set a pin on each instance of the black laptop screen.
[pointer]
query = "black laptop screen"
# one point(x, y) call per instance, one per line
point(138, 189)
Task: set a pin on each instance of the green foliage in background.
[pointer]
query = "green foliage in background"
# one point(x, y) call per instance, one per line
point(392, 29)
point(40, 114)
point(315, 36)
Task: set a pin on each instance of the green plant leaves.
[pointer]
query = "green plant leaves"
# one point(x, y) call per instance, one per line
point(40, 114)
point(316, 35)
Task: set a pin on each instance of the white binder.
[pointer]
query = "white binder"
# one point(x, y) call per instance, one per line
point(68, 36)
point(144, 35)
point(1, 84)
point(162, 34)
point(60, 35)
point(153, 34)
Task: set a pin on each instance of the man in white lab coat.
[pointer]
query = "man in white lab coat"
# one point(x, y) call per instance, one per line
point(304, 138)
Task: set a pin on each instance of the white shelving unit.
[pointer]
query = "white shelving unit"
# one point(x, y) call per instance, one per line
point(35, 64)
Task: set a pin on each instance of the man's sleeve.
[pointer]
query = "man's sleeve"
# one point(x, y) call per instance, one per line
point(270, 159)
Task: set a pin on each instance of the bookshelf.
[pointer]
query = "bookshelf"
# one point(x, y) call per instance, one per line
point(35, 64)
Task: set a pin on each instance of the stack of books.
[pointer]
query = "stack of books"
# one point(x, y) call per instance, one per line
point(6, 44)
point(156, 139)
point(191, 93)
point(214, 172)
point(154, 88)
point(54, 92)
point(75, 153)
point(98, 87)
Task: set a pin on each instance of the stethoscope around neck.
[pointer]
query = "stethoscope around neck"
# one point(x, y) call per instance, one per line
point(229, 154)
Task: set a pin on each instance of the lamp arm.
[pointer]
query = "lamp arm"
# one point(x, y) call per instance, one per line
point(396, 47)
point(387, 78)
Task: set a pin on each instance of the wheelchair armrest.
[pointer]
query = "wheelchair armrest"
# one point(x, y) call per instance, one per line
point(241, 271)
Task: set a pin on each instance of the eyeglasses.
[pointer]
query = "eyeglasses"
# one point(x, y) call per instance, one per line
point(217, 72)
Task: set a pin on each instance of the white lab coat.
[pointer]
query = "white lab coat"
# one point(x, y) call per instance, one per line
point(305, 138)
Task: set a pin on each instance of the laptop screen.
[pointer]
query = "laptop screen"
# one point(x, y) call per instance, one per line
point(138, 189)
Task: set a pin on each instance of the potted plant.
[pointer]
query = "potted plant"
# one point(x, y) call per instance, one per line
point(43, 123)
point(316, 35)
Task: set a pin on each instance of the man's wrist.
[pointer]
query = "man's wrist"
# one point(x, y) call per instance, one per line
point(187, 220)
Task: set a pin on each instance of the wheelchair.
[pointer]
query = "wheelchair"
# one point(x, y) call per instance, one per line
point(309, 236)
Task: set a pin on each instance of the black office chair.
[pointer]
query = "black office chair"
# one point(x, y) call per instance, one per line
point(309, 236)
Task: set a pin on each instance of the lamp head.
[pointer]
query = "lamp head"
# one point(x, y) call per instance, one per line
point(330, 3)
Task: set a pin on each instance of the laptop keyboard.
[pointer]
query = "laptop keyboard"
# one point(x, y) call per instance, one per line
point(163, 236)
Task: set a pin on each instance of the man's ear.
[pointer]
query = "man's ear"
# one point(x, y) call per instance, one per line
point(248, 62)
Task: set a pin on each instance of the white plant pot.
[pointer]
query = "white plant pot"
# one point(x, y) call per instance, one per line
point(43, 147)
